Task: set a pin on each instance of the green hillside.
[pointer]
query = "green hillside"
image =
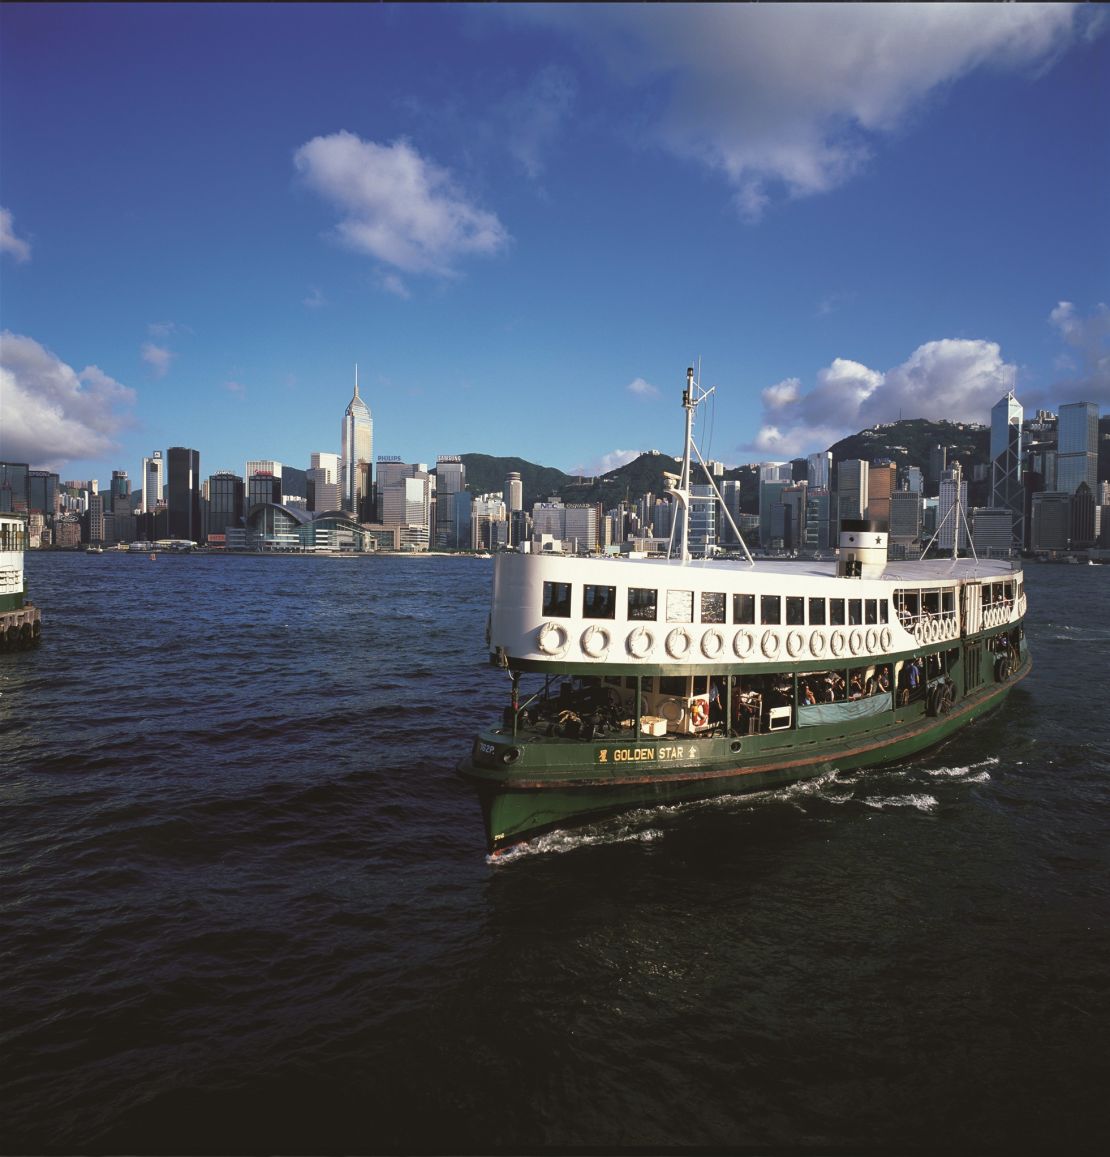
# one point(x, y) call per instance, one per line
point(486, 475)
point(909, 443)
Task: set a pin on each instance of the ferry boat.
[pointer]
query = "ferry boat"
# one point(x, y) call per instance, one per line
point(637, 681)
point(20, 620)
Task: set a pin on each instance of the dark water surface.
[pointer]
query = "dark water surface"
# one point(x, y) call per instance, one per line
point(244, 902)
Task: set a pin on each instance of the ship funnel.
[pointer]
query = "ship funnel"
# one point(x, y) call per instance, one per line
point(862, 548)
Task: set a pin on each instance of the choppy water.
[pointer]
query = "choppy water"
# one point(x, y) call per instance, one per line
point(244, 902)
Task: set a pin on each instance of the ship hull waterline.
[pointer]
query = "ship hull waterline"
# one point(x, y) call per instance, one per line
point(520, 806)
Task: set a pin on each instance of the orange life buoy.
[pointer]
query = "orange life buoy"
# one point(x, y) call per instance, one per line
point(698, 713)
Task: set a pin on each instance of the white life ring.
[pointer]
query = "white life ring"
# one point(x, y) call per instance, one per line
point(712, 643)
point(919, 629)
point(836, 643)
point(795, 644)
point(770, 644)
point(886, 639)
point(595, 641)
point(855, 642)
point(817, 643)
point(678, 643)
point(742, 644)
point(552, 638)
point(931, 631)
point(872, 640)
point(640, 643)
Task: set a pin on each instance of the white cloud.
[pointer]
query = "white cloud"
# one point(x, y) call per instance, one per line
point(236, 388)
point(315, 299)
point(781, 394)
point(533, 117)
point(397, 205)
point(1090, 338)
point(641, 389)
point(607, 462)
point(157, 357)
point(391, 283)
point(953, 379)
point(9, 242)
point(794, 96)
point(53, 413)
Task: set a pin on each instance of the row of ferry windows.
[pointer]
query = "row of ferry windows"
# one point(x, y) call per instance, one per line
point(600, 602)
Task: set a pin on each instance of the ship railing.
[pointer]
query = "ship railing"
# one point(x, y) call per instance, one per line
point(929, 626)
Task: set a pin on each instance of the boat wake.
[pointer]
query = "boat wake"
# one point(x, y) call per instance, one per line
point(573, 840)
point(972, 773)
point(919, 800)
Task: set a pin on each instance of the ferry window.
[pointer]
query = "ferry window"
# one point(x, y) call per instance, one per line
point(1008, 590)
point(817, 612)
point(712, 607)
point(795, 611)
point(599, 602)
point(672, 685)
point(870, 610)
point(770, 609)
point(836, 612)
point(743, 608)
point(948, 601)
point(882, 611)
point(931, 602)
point(556, 599)
point(855, 612)
point(680, 606)
point(912, 608)
point(642, 603)
point(648, 684)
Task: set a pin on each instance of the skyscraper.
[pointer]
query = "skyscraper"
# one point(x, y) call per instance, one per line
point(952, 523)
point(1077, 446)
point(225, 503)
point(355, 455)
point(183, 493)
point(882, 478)
point(323, 475)
point(1006, 488)
point(450, 480)
point(514, 500)
point(851, 488)
point(153, 481)
point(819, 470)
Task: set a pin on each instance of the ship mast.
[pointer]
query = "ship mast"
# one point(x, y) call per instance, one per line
point(692, 397)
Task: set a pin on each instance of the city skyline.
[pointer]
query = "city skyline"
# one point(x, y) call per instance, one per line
point(524, 224)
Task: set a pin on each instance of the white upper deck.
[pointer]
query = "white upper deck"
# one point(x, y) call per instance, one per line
point(551, 607)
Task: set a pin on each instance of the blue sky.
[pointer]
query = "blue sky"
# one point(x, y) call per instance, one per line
point(524, 222)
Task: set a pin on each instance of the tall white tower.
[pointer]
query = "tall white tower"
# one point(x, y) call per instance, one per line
point(356, 452)
point(153, 481)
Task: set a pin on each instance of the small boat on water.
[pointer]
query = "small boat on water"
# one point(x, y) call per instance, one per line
point(20, 620)
point(640, 681)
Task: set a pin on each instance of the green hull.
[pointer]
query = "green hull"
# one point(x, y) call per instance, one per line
point(527, 788)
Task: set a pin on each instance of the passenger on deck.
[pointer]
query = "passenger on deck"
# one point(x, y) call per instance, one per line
point(808, 697)
point(855, 688)
point(716, 707)
point(883, 680)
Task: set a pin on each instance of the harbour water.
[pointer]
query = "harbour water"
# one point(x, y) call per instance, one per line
point(245, 906)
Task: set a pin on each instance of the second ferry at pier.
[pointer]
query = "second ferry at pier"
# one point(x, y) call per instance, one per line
point(638, 681)
point(20, 619)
